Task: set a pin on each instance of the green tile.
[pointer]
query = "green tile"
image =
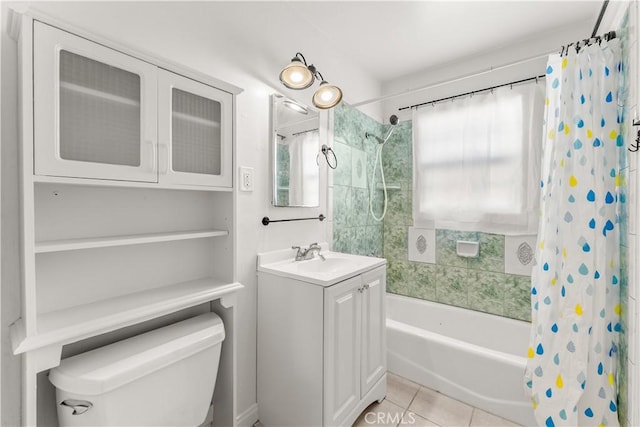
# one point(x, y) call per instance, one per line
point(421, 281)
point(360, 207)
point(395, 243)
point(451, 286)
point(375, 240)
point(486, 291)
point(491, 254)
point(396, 276)
point(359, 242)
point(518, 312)
point(342, 237)
point(399, 206)
point(397, 156)
point(342, 173)
point(446, 247)
point(342, 210)
point(517, 290)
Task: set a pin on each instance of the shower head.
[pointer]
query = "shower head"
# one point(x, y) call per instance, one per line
point(393, 120)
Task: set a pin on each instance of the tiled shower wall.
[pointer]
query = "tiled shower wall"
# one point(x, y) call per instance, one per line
point(475, 283)
point(478, 283)
point(354, 228)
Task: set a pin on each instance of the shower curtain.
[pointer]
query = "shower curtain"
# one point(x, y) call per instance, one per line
point(572, 358)
point(303, 182)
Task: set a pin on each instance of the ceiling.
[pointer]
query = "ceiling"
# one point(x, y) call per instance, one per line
point(364, 45)
point(391, 39)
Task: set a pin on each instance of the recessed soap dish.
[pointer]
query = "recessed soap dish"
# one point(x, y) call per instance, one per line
point(467, 249)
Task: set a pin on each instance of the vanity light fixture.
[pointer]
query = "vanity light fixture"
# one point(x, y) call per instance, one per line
point(298, 75)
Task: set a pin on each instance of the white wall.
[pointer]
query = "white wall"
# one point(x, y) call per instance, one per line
point(446, 76)
point(225, 41)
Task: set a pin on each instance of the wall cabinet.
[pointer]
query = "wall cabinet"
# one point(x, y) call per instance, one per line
point(127, 209)
point(100, 113)
point(321, 350)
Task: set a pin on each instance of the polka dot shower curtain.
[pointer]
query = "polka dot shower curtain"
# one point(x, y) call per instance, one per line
point(571, 369)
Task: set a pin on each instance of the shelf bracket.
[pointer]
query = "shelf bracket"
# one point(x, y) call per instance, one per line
point(45, 357)
point(229, 300)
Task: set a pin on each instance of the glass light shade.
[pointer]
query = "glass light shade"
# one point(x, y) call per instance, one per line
point(295, 106)
point(327, 96)
point(296, 75)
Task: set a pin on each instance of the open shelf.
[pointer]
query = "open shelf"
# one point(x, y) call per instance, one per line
point(62, 327)
point(123, 184)
point(136, 239)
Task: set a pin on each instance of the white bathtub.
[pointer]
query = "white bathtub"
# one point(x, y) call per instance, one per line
point(474, 357)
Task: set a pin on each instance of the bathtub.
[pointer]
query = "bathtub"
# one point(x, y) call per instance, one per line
point(474, 357)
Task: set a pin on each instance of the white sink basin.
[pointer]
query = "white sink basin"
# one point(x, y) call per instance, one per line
point(329, 264)
point(334, 268)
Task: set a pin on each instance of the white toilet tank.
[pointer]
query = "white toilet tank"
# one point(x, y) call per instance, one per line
point(164, 377)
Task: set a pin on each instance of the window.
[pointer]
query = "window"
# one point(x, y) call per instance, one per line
point(477, 161)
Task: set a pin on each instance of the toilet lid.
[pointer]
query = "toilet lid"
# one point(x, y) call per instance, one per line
point(109, 367)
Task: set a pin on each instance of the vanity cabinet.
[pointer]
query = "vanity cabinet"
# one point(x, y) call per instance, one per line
point(321, 349)
point(354, 343)
point(103, 114)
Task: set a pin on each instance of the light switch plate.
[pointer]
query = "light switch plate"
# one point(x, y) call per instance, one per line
point(246, 178)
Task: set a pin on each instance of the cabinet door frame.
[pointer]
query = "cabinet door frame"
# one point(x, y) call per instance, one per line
point(167, 81)
point(48, 42)
point(346, 292)
point(374, 335)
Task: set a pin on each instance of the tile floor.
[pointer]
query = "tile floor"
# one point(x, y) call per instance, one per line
point(409, 404)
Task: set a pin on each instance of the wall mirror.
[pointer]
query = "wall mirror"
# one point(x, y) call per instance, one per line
point(295, 144)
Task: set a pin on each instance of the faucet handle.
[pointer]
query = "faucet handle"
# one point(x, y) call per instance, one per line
point(295, 247)
point(313, 244)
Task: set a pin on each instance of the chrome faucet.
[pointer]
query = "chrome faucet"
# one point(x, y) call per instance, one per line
point(305, 254)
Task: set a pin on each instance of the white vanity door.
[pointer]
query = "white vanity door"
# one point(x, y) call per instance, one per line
point(94, 109)
point(373, 329)
point(195, 131)
point(343, 317)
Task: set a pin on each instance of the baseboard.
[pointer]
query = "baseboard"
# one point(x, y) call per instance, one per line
point(249, 417)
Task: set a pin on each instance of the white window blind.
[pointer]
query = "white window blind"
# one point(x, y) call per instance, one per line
point(477, 161)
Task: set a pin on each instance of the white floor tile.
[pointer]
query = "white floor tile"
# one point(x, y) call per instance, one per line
point(441, 409)
point(381, 414)
point(481, 418)
point(400, 390)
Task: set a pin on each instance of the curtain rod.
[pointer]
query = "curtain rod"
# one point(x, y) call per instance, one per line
point(475, 74)
point(542, 76)
point(579, 44)
point(600, 16)
point(455, 80)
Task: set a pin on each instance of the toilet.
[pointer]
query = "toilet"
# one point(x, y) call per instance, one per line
point(164, 377)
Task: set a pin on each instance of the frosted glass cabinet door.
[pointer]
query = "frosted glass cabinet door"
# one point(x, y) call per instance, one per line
point(94, 110)
point(195, 132)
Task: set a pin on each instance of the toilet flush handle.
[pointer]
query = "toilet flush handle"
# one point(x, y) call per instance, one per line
point(79, 406)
